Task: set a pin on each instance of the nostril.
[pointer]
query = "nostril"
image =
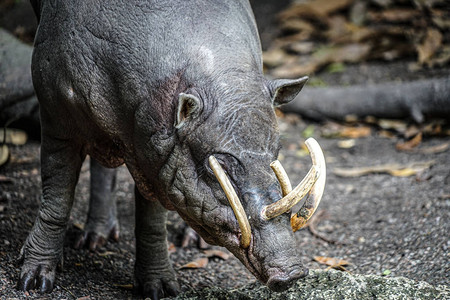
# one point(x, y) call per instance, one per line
point(281, 281)
point(304, 272)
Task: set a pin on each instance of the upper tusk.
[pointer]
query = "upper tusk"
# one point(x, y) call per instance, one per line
point(299, 219)
point(313, 183)
point(233, 198)
point(282, 177)
point(293, 197)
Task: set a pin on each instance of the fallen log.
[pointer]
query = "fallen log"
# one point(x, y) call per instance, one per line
point(419, 100)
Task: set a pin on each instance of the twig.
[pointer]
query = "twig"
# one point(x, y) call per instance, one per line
point(316, 218)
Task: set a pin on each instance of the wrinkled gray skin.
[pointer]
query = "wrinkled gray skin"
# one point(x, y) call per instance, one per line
point(18, 103)
point(160, 86)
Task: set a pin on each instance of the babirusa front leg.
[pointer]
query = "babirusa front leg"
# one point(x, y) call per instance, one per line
point(60, 166)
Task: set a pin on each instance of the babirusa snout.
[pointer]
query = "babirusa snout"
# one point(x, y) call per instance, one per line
point(313, 183)
point(235, 203)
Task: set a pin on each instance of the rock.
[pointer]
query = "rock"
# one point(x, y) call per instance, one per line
point(321, 284)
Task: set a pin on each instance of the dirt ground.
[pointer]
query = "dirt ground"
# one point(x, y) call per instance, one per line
point(378, 222)
point(381, 224)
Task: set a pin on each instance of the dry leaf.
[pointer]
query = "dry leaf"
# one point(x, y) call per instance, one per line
point(298, 25)
point(332, 262)
point(333, 130)
point(320, 8)
point(392, 169)
point(196, 264)
point(79, 226)
point(355, 132)
point(107, 253)
point(435, 149)
point(395, 15)
point(386, 134)
point(346, 144)
point(13, 136)
point(396, 125)
point(171, 248)
point(274, 58)
point(411, 144)
point(216, 253)
point(295, 70)
point(431, 44)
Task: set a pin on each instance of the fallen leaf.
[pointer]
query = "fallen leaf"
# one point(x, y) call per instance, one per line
point(107, 253)
point(435, 149)
point(298, 25)
point(386, 272)
point(13, 136)
point(411, 144)
point(396, 15)
point(333, 130)
point(196, 264)
point(332, 262)
point(295, 70)
point(397, 125)
point(355, 132)
point(171, 248)
point(79, 226)
point(274, 58)
point(216, 253)
point(300, 47)
point(386, 134)
point(431, 44)
point(346, 144)
point(400, 170)
point(318, 7)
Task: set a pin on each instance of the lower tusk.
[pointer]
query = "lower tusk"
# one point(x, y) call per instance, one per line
point(235, 203)
point(299, 219)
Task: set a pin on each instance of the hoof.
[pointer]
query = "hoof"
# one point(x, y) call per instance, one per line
point(95, 240)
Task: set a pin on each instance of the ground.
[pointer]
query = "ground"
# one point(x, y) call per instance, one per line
point(381, 224)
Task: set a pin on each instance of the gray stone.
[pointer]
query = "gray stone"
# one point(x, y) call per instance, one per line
point(330, 285)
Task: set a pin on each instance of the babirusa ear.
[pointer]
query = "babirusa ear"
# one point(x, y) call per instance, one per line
point(188, 107)
point(284, 90)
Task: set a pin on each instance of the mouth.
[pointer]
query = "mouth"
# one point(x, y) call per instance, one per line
point(278, 279)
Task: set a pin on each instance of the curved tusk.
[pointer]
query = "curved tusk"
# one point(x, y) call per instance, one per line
point(282, 177)
point(299, 219)
point(313, 183)
point(233, 198)
point(293, 197)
